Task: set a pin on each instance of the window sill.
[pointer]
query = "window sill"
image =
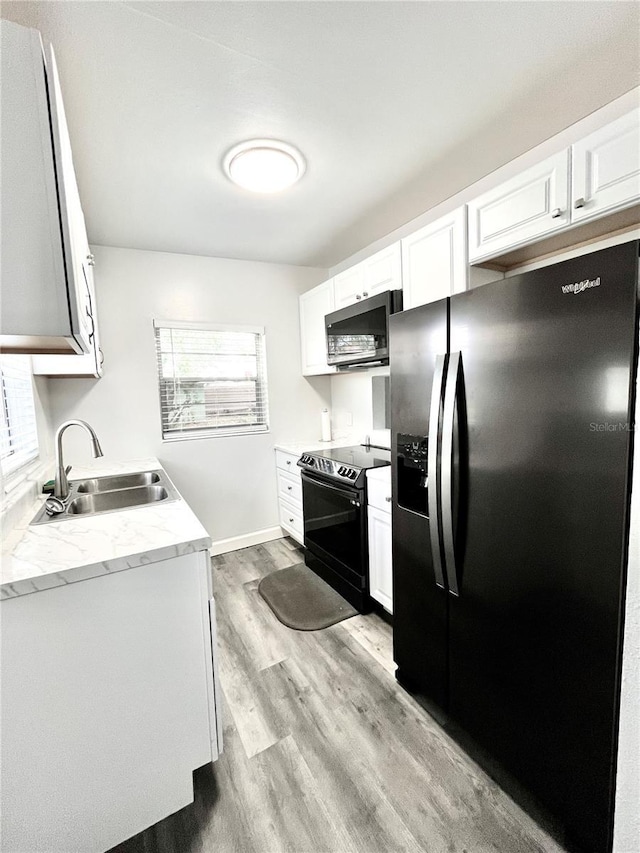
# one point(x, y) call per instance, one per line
point(201, 436)
point(21, 491)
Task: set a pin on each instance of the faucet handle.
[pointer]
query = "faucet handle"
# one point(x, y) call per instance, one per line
point(67, 469)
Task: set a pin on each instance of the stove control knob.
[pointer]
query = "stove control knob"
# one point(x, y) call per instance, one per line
point(352, 474)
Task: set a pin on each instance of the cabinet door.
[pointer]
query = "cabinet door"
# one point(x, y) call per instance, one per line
point(116, 711)
point(380, 566)
point(314, 305)
point(382, 271)
point(74, 236)
point(349, 286)
point(522, 210)
point(605, 169)
point(292, 520)
point(213, 682)
point(434, 260)
point(34, 295)
point(83, 366)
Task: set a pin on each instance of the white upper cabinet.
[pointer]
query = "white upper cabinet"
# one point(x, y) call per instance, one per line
point(605, 169)
point(349, 286)
point(44, 302)
point(89, 365)
point(380, 272)
point(82, 366)
point(314, 306)
point(434, 260)
point(383, 271)
point(521, 210)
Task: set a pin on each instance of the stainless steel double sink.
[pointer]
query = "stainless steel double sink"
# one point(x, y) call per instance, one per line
point(110, 494)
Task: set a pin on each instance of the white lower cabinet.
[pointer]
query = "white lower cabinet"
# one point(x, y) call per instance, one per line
point(110, 701)
point(379, 528)
point(434, 260)
point(289, 483)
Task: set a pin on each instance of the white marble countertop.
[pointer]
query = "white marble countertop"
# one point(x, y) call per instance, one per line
point(378, 437)
point(62, 552)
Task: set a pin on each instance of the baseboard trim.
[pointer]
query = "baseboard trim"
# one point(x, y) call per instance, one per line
point(235, 543)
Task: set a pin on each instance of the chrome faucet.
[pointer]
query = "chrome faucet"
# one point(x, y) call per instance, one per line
point(61, 486)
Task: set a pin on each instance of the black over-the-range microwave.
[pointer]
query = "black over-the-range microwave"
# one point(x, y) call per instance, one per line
point(358, 335)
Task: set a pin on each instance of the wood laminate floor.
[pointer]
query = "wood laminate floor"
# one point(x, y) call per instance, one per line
point(324, 752)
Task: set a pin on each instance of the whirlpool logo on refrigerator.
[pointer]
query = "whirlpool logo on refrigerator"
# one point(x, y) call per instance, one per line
point(580, 286)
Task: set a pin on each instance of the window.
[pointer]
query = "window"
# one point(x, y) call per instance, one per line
point(18, 431)
point(213, 380)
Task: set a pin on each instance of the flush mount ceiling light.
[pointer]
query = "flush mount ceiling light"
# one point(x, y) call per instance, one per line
point(264, 165)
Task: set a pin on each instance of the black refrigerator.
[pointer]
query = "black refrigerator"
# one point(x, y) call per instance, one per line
point(512, 408)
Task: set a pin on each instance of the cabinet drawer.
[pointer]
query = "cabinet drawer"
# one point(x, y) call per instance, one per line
point(288, 462)
point(379, 490)
point(291, 520)
point(289, 488)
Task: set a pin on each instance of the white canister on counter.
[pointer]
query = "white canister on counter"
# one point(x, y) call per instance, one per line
point(326, 425)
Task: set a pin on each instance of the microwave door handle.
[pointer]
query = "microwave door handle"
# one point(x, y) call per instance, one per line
point(450, 393)
point(432, 469)
point(351, 496)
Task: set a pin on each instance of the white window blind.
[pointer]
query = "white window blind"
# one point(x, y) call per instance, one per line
point(212, 379)
point(18, 430)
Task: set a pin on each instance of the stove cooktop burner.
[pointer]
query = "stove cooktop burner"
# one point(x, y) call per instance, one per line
point(346, 464)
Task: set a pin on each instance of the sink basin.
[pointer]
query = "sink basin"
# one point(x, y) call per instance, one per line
point(112, 493)
point(120, 481)
point(107, 501)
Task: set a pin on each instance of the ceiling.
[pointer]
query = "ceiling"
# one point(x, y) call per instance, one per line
point(396, 106)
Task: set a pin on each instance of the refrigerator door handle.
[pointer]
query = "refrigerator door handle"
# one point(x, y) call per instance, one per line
point(432, 469)
point(446, 471)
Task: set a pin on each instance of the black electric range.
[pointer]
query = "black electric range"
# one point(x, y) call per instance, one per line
point(334, 496)
point(346, 464)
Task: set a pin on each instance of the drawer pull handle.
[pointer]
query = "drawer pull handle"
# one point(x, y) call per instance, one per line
point(288, 462)
point(556, 213)
point(290, 521)
point(289, 488)
point(388, 499)
point(580, 202)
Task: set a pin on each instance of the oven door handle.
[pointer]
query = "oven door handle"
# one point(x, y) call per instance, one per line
point(352, 496)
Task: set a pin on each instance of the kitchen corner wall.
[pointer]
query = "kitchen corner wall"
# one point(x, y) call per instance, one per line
point(228, 481)
point(352, 403)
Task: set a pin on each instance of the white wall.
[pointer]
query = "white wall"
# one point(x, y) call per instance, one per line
point(352, 405)
point(228, 481)
point(448, 180)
